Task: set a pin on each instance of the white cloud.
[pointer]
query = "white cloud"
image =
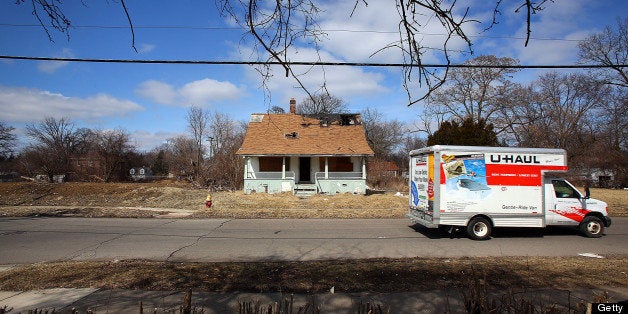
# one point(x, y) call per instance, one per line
point(372, 28)
point(30, 104)
point(557, 19)
point(144, 48)
point(206, 90)
point(199, 93)
point(556, 31)
point(358, 38)
point(551, 51)
point(51, 67)
point(341, 81)
point(157, 91)
point(146, 141)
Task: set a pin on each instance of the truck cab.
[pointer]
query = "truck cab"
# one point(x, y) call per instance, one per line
point(566, 206)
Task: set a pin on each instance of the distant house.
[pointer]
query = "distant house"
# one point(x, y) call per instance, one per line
point(305, 154)
point(86, 167)
point(383, 168)
point(141, 173)
point(599, 177)
point(10, 176)
point(93, 167)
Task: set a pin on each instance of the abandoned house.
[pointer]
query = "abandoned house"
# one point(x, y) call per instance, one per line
point(305, 154)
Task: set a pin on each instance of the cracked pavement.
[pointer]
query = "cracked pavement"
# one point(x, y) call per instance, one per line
point(198, 239)
point(45, 239)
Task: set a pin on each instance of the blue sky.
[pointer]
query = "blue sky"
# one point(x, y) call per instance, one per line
point(150, 100)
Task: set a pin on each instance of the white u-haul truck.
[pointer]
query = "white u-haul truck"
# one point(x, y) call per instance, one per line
point(480, 188)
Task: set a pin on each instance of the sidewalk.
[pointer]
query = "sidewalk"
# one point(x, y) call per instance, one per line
point(128, 301)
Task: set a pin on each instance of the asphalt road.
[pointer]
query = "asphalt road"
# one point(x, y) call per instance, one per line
point(40, 239)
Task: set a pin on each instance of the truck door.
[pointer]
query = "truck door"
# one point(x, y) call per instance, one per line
point(564, 205)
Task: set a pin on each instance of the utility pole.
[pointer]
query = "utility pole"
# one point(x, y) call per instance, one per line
point(211, 146)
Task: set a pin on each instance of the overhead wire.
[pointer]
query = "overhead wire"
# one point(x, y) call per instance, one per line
point(310, 63)
point(222, 28)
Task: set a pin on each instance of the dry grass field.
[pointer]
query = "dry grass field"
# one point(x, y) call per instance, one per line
point(617, 200)
point(119, 199)
point(375, 275)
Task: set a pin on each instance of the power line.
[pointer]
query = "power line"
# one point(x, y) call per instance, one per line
point(134, 26)
point(308, 63)
point(223, 28)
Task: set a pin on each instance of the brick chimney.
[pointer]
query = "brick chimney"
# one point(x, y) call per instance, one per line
point(293, 106)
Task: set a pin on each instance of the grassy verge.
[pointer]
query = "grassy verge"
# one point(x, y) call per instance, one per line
point(118, 200)
point(72, 211)
point(373, 275)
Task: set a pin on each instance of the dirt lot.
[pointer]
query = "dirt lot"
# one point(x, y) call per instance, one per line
point(119, 199)
point(123, 199)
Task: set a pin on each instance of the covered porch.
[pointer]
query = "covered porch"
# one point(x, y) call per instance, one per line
point(305, 174)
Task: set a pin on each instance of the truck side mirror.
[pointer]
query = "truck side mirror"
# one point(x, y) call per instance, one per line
point(587, 193)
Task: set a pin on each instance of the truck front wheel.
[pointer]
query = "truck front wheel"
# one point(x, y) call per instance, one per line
point(479, 229)
point(592, 227)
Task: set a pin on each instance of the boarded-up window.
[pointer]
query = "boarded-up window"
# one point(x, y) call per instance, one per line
point(336, 164)
point(272, 163)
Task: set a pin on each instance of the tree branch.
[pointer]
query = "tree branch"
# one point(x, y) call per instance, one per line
point(126, 12)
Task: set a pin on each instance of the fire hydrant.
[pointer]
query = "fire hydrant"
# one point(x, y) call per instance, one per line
point(208, 201)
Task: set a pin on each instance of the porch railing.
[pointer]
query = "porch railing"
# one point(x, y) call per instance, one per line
point(338, 175)
point(269, 175)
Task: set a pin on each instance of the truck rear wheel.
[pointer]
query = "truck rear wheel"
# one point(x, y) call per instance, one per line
point(479, 229)
point(592, 227)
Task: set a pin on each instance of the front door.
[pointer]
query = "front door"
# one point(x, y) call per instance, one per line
point(304, 169)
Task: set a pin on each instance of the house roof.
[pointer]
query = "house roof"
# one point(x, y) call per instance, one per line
point(293, 134)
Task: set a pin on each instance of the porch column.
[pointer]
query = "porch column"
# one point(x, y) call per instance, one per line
point(283, 167)
point(326, 167)
point(246, 167)
point(363, 168)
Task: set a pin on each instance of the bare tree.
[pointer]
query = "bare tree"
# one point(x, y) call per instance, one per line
point(198, 120)
point(50, 14)
point(321, 104)
point(159, 165)
point(613, 119)
point(384, 136)
point(609, 48)
point(275, 27)
point(276, 110)
point(7, 141)
point(410, 141)
point(476, 93)
point(563, 106)
point(113, 148)
point(225, 167)
point(610, 131)
point(224, 130)
point(54, 141)
point(179, 154)
point(515, 112)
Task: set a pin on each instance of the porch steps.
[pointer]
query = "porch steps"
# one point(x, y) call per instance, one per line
point(305, 190)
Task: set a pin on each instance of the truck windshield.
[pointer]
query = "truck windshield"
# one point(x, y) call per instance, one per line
point(564, 190)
